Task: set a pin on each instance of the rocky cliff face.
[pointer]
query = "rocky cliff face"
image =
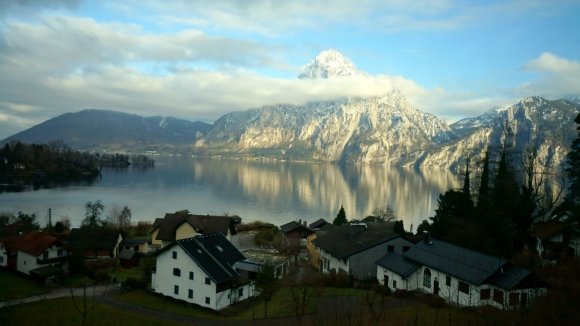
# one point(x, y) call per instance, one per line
point(388, 130)
point(366, 130)
point(534, 122)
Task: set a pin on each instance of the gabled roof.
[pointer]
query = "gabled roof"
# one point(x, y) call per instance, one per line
point(346, 240)
point(467, 265)
point(93, 238)
point(318, 224)
point(398, 264)
point(291, 226)
point(33, 243)
point(548, 229)
point(213, 253)
point(200, 223)
point(509, 277)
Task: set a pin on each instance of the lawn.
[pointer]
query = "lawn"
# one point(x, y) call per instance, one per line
point(63, 312)
point(15, 287)
point(280, 306)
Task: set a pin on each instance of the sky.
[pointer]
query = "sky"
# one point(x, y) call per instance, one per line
point(198, 60)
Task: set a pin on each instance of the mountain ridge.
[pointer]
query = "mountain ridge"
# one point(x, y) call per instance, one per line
point(108, 130)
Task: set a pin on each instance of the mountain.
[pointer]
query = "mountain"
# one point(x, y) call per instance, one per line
point(388, 130)
point(372, 130)
point(114, 131)
point(329, 64)
point(545, 125)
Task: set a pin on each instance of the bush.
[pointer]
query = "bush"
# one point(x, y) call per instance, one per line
point(253, 226)
point(268, 237)
point(136, 283)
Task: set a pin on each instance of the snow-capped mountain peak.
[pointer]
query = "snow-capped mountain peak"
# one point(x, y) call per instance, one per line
point(329, 64)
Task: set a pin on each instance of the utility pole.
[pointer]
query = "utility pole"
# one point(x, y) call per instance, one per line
point(50, 219)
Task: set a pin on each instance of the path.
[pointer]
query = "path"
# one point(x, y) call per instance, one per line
point(96, 291)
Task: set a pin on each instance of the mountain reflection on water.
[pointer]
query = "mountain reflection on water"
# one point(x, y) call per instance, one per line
point(276, 192)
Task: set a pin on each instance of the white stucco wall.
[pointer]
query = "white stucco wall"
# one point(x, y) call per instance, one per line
point(163, 281)
point(409, 283)
point(330, 262)
point(26, 262)
point(3, 256)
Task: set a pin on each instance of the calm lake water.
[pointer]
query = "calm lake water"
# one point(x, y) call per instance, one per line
point(276, 192)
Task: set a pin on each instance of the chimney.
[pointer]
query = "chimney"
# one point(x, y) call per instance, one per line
point(427, 239)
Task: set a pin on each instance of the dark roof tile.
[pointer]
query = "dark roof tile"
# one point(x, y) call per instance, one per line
point(346, 240)
point(398, 264)
point(464, 264)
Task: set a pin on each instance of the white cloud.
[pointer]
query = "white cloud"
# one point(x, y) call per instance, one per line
point(558, 76)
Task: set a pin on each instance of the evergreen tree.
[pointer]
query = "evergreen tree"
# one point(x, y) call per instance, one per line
point(466, 183)
point(483, 193)
point(340, 217)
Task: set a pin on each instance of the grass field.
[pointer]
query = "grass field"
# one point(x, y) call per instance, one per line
point(15, 287)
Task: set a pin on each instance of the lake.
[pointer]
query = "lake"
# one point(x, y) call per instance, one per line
point(276, 192)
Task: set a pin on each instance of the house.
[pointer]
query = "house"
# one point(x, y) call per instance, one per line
point(37, 254)
point(182, 225)
point(353, 249)
point(318, 224)
point(96, 242)
point(295, 232)
point(3, 254)
point(555, 239)
point(135, 245)
point(313, 251)
point(206, 270)
point(459, 275)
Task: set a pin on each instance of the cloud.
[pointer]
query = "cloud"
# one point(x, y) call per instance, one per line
point(69, 43)
point(32, 7)
point(557, 76)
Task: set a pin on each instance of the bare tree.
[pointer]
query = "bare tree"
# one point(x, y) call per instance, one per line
point(536, 176)
point(384, 214)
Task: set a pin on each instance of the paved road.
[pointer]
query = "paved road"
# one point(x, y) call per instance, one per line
point(96, 291)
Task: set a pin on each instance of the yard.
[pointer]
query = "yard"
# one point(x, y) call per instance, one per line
point(14, 286)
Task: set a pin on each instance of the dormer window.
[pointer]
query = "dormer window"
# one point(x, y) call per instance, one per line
point(220, 249)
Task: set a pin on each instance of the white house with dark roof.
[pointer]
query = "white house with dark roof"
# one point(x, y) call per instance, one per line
point(206, 270)
point(353, 249)
point(458, 275)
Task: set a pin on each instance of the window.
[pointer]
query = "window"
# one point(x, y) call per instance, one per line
point(190, 294)
point(207, 280)
point(45, 255)
point(1, 259)
point(498, 296)
point(176, 289)
point(406, 248)
point(427, 278)
point(59, 252)
point(174, 254)
point(207, 300)
point(386, 280)
point(176, 272)
point(241, 292)
point(448, 280)
point(394, 284)
point(191, 275)
point(463, 287)
point(484, 294)
point(390, 248)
